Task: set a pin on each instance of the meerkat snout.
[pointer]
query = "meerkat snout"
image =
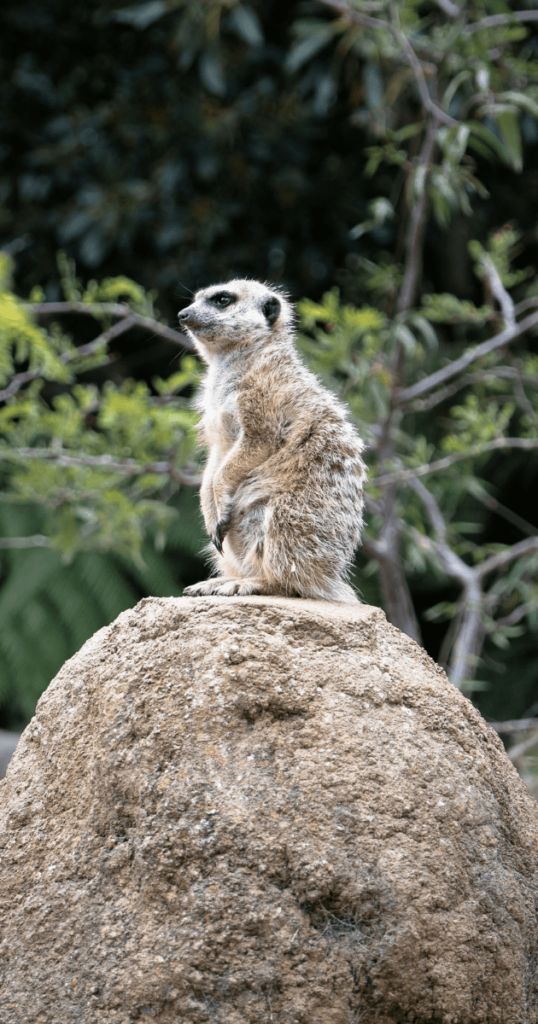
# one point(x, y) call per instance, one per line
point(226, 317)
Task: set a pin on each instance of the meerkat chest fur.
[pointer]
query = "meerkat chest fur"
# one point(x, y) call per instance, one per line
point(243, 398)
point(220, 425)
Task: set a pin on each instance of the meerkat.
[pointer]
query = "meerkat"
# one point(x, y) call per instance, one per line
point(281, 492)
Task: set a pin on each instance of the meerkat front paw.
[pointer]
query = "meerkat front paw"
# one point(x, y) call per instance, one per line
point(221, 529)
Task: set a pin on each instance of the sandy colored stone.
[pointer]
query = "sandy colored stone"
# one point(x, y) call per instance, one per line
point(229, 811)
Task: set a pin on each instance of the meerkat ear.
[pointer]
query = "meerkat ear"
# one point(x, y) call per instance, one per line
point(271, 309)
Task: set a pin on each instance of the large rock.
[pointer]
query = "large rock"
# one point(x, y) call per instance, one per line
point(255, 810)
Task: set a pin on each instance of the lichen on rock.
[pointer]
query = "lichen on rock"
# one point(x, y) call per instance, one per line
point(254, 810)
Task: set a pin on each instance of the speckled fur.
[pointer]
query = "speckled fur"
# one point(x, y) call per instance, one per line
point(281, 492)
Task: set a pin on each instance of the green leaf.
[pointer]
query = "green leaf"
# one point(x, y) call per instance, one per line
point(245, 23)
point(212, 73)
point(493, 144)
point(508, 124)
point(307, 48)
point(141, 15)
point(522, 100)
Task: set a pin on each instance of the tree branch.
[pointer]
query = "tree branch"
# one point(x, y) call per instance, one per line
point(397, 601)
point(451, 563)
point(499, 291)
point(428, 103)
point(502, 558)
point(523, 748)
point(37, 541)
point(514, 725)
point(480, 376)
point(344, 9)
point(128, 467)
point(526, 304)
point(450, 9)
point(470, 634)
point(448, 372)
point(516, 616)
point(110, 309)
point(417, 223)
point(501, 510)
point(495, 20)
point(129, 319)
point(66, 357)
point(406, 475)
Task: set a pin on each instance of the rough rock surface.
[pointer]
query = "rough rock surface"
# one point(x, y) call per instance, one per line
point(255, 810)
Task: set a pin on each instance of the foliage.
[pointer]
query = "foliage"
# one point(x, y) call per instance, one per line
point(102, 461)
point(48, 608)
point(353, 349)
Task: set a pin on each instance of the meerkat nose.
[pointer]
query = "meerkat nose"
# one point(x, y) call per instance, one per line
point(185, 315)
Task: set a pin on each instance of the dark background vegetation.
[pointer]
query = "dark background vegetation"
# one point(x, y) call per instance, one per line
point(156, 151)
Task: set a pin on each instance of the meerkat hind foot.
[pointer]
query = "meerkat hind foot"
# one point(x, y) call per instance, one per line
point(207, 587)
point(225, 586)
point(245, 586)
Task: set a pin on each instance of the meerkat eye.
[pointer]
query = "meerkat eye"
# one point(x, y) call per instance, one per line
point(222, 299)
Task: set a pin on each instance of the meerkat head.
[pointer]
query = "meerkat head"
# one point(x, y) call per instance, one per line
point(237, 314)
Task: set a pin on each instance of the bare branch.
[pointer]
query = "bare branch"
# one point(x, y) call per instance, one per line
point(450, 9)
point(480, 376)
point(37, 541)
point(458, 365)
point(516, 616)
point(525, 403)
point(499, 291)
point(110, 309)
point(498, 561)
point(128, 467)
point(526, 304)
point(358, 18)
point(514, 725)
point(95, 309)
point(511, 517)
point(17, 382)
point(66, 357)
point(102, 339)
point(415, 64)
point(397, 601)
point(495, 20)
point(523, 748)
point(470, 634)
point(406, 475)
point(129, 320)
point(452, 564)
point(371, 546)
point(417, 224)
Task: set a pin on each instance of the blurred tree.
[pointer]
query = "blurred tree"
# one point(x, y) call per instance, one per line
point(176, 145)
